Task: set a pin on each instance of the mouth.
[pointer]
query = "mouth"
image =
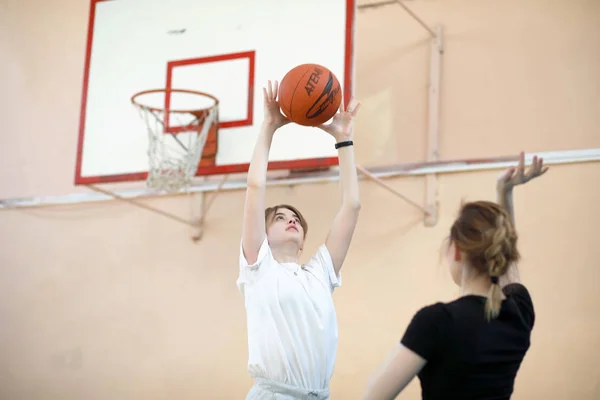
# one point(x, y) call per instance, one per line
point(292, 227)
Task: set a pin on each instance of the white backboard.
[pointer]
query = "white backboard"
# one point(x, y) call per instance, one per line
point(228, 48)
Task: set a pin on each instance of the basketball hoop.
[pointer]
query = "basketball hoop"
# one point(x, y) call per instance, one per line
point(178, 122)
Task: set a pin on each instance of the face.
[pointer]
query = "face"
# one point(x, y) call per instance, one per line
point(453, 258)
point(285, 226)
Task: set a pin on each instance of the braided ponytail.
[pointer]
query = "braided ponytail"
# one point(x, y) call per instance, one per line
point(497, 266)
point(484, 232)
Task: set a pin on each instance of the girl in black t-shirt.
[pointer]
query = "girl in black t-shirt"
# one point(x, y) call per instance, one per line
point(472, 347)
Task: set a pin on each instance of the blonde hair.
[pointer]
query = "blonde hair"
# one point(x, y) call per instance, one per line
point(483, 231)
point(271, 211)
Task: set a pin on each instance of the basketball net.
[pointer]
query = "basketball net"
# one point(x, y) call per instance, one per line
point(176, 139)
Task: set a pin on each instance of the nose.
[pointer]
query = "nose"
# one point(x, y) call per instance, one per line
point(293, 221)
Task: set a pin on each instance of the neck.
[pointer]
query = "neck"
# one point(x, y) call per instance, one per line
point(478, 286)
point(286, 252)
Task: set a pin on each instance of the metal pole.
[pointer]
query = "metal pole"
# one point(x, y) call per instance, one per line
point(385, 171)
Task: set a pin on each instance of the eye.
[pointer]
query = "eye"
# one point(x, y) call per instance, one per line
point(279, 217)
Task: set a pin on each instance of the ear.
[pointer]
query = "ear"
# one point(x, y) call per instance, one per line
point(457, 254)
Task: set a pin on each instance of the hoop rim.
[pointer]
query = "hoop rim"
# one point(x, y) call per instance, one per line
point(180, 111)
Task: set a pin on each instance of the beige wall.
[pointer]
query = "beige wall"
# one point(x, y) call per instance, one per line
point(108, 301)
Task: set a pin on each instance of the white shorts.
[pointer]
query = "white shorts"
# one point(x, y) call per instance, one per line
point(266, 389)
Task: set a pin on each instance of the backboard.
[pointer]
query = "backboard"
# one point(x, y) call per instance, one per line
point(227, 48)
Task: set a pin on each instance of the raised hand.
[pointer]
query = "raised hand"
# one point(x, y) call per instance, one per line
point(273, 115)
point(341, 125)
point(514, 176)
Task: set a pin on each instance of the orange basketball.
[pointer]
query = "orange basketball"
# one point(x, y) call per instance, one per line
point(309, 94)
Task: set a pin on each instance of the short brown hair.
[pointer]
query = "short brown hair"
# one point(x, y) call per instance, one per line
point(270, 213)
point(483, 231)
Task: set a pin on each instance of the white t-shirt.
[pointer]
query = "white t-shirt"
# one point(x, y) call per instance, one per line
point(292, 324)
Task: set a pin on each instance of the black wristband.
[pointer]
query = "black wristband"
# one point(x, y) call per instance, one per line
point(344, 144)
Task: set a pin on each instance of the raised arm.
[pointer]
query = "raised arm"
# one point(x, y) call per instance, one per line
point(342, 229)
point(504, 190)
point(253, 230)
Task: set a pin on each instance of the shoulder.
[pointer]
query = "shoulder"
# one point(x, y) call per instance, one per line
point(251, 273)
point(519, 293)
point(321, 256)
point(321, 267)
point(516, 289)
point(433, 319)
point(432, 314)
point(426, 334)
point(264, 254)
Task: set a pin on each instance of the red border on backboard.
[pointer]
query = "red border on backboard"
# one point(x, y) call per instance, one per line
point(250, 55)
point(223, 169)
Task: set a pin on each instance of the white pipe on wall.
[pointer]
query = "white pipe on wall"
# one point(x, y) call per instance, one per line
point(440, 167)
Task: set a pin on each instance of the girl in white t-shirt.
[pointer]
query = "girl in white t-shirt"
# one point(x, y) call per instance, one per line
point(292, 326)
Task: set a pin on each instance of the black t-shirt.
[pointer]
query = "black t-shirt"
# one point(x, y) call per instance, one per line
point(467, 356)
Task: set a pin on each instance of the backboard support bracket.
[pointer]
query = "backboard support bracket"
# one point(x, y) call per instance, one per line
point(140, 205)
point(200, 205)
point(433, 125)
point(430, 210)
point(432, 32)
point(384, 185)
point(433, 113)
